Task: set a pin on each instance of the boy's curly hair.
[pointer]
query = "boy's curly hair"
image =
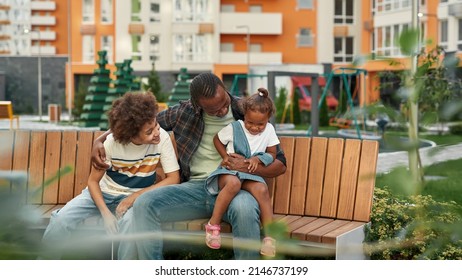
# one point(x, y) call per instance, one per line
point(129, 113)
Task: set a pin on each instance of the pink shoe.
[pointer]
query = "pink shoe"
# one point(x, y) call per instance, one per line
point(212, 236)
point(268, 247)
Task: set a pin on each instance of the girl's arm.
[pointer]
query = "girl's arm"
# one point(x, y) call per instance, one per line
point(220, 147)
point(171, 178)
point(110, 221)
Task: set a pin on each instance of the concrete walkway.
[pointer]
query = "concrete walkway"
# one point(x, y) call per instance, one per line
point(386, 161)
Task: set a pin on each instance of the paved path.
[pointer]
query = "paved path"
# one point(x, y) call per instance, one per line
point(386, 161)
point(429, 156)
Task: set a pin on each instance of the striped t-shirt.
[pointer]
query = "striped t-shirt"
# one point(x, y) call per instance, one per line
point(133, 167)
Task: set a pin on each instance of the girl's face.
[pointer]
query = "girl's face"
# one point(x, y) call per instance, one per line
point(149, 134)
point(255, 122)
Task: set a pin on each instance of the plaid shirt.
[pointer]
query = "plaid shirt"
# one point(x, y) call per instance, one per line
point(187, 125)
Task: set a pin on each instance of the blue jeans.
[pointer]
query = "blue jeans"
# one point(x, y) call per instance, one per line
point(190, 200)
point(66, 220)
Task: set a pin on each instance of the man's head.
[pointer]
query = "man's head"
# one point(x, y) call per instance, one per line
point(209, 94)
point(130, 113)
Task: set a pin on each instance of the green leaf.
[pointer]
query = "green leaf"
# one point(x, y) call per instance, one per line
point(408, 41)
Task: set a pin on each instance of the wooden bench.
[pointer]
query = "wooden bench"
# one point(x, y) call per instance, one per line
point(324, 197)
point(6, 112)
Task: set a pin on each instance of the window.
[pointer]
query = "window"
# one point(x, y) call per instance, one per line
point(154, 15)
point(343, 49)
point(88, 11)
point(192, 48)
point(227, 8)
point(255, 9)
point(136, 48)
point(305, 4)
point(154, 48)
point(226, 47)
point(305, 38)
point(443, 34)
point(192, 11)
point(386, 39)
point(106, 44)
point(343, 12)
point(106, 11)
point(88, 49)
point(136, 9)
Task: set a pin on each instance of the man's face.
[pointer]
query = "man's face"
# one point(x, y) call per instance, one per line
point(217, 105)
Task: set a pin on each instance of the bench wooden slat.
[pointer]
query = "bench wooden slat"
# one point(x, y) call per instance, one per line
point(300, 176)
point(316, 176)
point(36, 165)
point(302, 232)
point(6, 149)
point(21, 156)
point(349, 179)
point(331, 237)
point(296, 224)
point(68, 158)
point(366, 180)
point(317, 234)
point(332, 178)
point(282, 187)
point(52, 161)
point(83, 160)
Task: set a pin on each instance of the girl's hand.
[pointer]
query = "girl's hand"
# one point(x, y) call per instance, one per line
point(253, 164)
point(225, 162)
point(110, 223)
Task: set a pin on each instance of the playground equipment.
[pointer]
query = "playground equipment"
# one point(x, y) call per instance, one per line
point(302, 84)
point(235, 88)
point(345, 74)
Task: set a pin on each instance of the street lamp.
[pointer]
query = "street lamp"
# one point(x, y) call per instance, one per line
point(39, 58)
point(247, 28)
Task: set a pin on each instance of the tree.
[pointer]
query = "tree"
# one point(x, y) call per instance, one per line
point(155, 86)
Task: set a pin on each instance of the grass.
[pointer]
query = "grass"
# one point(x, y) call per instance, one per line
point(445, 189)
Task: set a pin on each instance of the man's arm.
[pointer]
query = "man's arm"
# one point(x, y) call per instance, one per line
point(98, 154)
point(278, 167)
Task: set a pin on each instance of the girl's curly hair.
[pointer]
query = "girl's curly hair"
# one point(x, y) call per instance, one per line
point(129, 113)
point(260, 102)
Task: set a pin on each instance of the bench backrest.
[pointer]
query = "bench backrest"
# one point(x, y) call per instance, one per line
point(326, 177)
point(6, 110)
point(42, 154)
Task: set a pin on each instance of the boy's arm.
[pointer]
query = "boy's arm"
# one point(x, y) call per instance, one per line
point(171, 178)
point(98, 154)
point(110, 222)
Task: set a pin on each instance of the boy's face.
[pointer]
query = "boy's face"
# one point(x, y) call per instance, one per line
point(149, 134)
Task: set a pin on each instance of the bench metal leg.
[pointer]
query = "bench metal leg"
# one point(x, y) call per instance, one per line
point(349, 246)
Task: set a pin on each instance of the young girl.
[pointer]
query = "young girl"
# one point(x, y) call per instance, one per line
point(255, 139)
point(133, 150)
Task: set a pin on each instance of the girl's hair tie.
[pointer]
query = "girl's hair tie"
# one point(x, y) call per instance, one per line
point(260, 93)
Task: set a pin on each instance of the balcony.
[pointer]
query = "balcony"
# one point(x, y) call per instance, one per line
point(455, 9)
point(259, 24)
point(44, 50)
point(43, 5)
point(255, 58)
point(43, 20)
point(44, 36)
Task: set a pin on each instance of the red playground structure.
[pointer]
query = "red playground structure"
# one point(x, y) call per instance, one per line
point(303, 84)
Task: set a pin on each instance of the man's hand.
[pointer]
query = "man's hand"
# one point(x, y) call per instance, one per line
point(98, 156)
point(237, 162)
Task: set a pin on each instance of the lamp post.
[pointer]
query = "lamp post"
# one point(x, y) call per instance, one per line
point(247, 28)
point(39, 70)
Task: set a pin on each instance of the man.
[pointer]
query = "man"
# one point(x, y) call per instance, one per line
point(194, 124)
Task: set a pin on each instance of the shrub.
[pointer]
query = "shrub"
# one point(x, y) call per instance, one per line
point(456, 129)
point(415, 228)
